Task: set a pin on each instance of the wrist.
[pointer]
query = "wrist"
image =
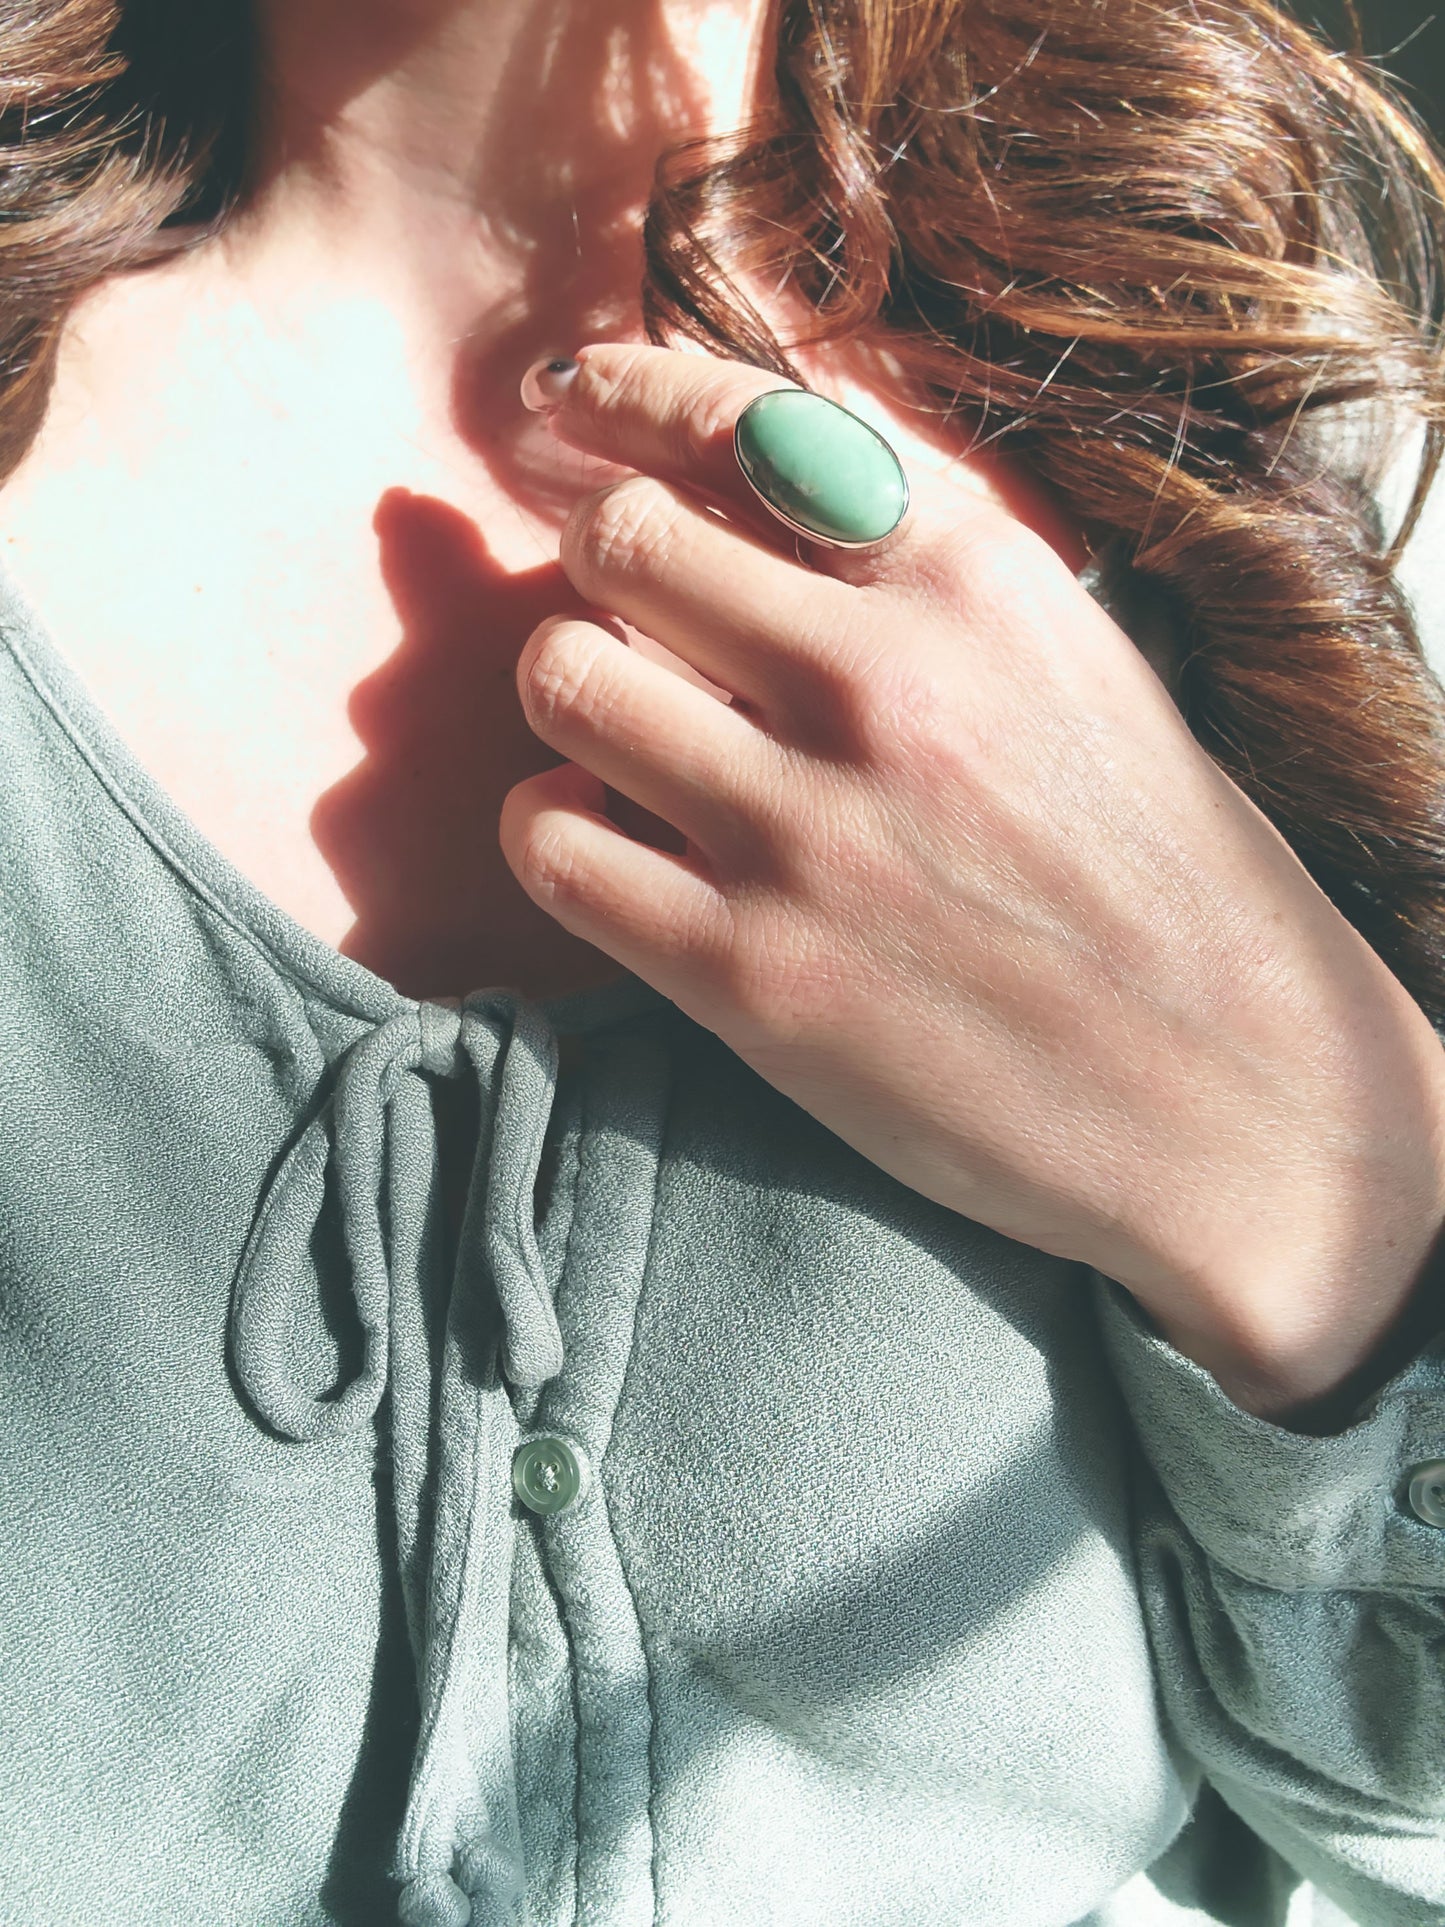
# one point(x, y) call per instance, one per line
point(1307, 1351)
point(1314, 1279)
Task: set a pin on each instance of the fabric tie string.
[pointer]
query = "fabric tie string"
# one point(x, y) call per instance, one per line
point(509, 1045)
point(436, 1347)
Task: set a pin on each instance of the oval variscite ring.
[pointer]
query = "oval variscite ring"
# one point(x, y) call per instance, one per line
point(821, 469)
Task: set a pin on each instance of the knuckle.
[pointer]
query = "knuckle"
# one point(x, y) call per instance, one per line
point(835, 675)
point(621, 530)
point(983, 564)
point(700, 408)
point(558, 675)
point(546, 859)
point(782, 990)
point(702, 425)
point(612, 384)
point(755, 973)
point(692, 412)
point(539, 845)
point(879, 715)
point(1004, 565)
point(864, 718)
point(917, 738)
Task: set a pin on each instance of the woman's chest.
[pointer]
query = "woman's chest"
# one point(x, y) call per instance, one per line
point(340, 725)
point(307, 636)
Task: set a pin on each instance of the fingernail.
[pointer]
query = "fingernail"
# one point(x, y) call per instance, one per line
point(545, 383)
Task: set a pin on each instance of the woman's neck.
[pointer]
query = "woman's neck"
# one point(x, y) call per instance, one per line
point(426, 139)
point(440, 195)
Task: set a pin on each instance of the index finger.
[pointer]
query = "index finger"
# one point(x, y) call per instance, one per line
point(672, 414)
point(669, 414)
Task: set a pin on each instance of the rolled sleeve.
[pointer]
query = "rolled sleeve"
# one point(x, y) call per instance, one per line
point(1284, 1508)
point(1294, 1594)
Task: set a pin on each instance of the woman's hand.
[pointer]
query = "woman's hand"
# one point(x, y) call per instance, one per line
point(959, 881)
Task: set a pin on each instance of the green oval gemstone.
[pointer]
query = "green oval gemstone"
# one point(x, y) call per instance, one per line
point(821, 467)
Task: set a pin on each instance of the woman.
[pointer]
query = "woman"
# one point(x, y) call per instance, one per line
point(779, 1264)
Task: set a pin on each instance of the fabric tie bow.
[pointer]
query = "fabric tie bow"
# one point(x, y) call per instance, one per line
point(508, 1044)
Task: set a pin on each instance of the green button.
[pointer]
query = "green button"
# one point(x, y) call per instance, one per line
point(1427, 1492)
point(821, 468)
point(548, 1475)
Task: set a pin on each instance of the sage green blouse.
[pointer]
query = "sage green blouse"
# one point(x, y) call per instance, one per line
point(711, 1532)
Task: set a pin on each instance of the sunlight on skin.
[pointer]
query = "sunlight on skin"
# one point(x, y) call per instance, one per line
point(320, 417)
point(226, 424)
